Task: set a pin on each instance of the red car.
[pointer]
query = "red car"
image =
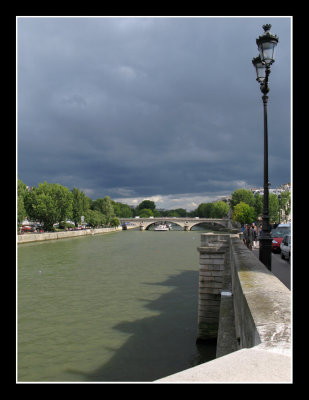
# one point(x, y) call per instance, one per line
point(277, 236)
point(26, 229)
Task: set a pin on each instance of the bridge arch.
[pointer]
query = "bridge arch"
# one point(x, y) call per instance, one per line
point(209, 224)
point(162, 221)
point(185, 223)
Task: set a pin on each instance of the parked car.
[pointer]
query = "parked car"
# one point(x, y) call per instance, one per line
point(285, 247)
point(26, 228)
point(277, 236)
point(284, 226)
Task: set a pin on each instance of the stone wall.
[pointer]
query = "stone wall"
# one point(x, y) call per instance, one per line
point(232, 278)
point(35, 237)
point(211, 276)
point(262, 303)
point(253, 320)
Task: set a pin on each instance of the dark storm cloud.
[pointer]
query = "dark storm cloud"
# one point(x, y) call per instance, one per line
point(141, 107)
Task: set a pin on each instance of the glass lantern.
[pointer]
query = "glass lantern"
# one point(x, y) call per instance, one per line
point(266, 44)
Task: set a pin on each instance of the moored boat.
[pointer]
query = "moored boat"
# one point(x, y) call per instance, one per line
point(162, 227)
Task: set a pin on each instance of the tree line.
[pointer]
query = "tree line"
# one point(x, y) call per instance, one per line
point(247, 207)
point(51, 203)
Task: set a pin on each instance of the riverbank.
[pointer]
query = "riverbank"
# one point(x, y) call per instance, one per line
point(36, 237)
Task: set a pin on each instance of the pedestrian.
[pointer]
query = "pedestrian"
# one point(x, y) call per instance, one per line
point(255, 234)
point(245, 234)
point(250, 236)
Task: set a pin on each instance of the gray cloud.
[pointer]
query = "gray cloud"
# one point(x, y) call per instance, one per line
point(149, 106)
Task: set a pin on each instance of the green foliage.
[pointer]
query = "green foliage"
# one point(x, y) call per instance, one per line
point(65, 225)
point(122, 210)
point(204, 210)
point(145, 213)
point(181, 212)
point(49, 203)
point(258, 207)
point(285, 203)
point(104, 206)
point(149, 204)
point(95, 218)
point(172, 213)
point(243, 213)
point(273, 208)
point(21, 194)
point(242, 195)
point(77, 206)
point(114, 222)
point(218, 209)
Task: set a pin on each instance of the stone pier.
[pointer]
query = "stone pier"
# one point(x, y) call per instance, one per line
point(211, 281)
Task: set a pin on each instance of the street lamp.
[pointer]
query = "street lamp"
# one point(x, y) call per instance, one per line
point(266, 45)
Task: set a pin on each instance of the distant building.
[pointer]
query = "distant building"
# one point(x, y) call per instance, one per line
point(283, 188)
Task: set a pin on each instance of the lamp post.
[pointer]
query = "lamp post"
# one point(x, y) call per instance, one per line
point(266, 45)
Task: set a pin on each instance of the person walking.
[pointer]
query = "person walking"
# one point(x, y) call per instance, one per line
point(245, 235)
point(250, 237)
point(255, 235)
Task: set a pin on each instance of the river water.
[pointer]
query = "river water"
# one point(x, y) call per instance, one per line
point(119, 307)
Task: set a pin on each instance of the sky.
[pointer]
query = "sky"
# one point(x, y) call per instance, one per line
point(160, 108)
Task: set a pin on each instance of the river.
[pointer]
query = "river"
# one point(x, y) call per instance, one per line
point(119, 307)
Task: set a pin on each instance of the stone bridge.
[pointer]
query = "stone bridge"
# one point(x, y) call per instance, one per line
point(185, 223)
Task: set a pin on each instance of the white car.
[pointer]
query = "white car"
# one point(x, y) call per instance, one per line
point(285, 247)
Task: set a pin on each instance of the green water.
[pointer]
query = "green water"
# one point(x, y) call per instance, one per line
point(120, 307)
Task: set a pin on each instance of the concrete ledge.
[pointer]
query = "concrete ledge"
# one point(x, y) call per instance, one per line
point(262, 303)
point(38, 237)
point(253, 365)
point(262, 310)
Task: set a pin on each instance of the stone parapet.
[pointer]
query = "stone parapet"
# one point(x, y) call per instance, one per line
point(38, 237)
point(254, 320)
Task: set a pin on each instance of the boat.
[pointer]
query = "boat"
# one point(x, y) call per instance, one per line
point(162, 227)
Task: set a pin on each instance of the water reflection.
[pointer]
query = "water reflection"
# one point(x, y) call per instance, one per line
point(119, 307)
point(152, 350)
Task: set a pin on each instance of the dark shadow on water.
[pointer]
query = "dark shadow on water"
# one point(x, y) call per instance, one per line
point(159, 345)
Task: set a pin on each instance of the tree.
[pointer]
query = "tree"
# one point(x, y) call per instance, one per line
point(145, 213)
point(95, 218)
point(220, 209)
point(40, 206)
point(258, 205)
point(86, 202)
point(114, 221)
point(246, 196)
point(285, 204)
point(273, 208)
point(147, 204)
point(77, 206)
point(204, 210)
point(49, 203)
point(243, 213)
point(181, 212)
point(21, 194)
point(173, 213)
point(122, 210)
point(104, 206)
